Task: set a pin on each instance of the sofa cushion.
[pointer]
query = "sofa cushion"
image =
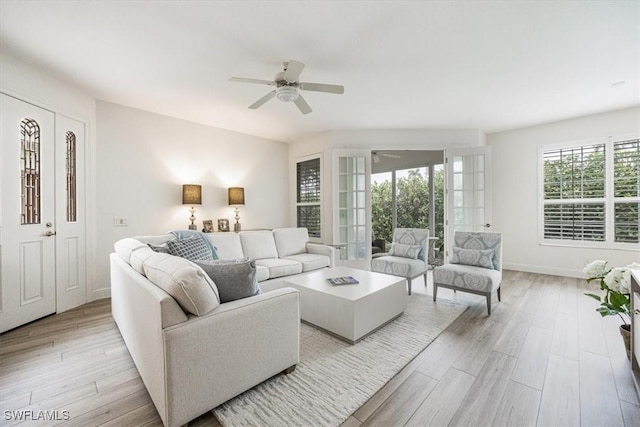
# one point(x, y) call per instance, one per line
point(125, 247)
point(405, 251)
point(138, 257)
point(478, 257)
point(191, 248)
point(262, 273)
point(184, 281)
point(227, 245)
point(310, 261)
point(291, 241)
point(258, 244)
point(280, 267)
point(235, 279)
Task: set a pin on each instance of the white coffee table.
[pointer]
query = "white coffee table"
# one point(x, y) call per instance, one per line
point(350, 312)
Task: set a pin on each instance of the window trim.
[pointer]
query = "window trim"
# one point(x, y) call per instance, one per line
point(319, 203)
point(609, 200)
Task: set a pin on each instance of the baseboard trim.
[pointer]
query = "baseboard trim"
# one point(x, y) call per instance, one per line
point(101, 293)
point(564, 272)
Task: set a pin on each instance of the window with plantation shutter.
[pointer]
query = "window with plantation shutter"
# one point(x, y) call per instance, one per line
point(626, 191)
point(591, 193)
point(308, 208)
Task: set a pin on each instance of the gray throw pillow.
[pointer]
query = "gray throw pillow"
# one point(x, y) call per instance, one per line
point(163, 248)
point(191, 248)
point(235, 279)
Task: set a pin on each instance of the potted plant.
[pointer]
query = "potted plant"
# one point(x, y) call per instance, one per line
point(616, 301)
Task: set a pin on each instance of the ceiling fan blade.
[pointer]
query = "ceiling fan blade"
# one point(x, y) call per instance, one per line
point(302, 105)
point(294, 68)
point(262, 100)
point(321, 87)
point(244, 80)
point(393, 156)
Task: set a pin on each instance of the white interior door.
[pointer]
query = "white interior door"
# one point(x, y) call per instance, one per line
point(27, 239)
point(468, 190)
point(70, 213)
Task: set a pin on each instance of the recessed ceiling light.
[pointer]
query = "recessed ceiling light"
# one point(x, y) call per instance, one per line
point(620, 83)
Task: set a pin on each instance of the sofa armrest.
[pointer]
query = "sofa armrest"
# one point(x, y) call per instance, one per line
point(320, 249)
point(141, 310)
point(229, 350)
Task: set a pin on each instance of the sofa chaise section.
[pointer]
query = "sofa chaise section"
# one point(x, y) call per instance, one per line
point(191, 364)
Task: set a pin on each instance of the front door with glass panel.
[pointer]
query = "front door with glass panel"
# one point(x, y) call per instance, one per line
point(43, 233)
point(468, 192)
point(28, 235)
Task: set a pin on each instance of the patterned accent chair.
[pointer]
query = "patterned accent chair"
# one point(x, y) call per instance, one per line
point(475, 265)
point(407, 257)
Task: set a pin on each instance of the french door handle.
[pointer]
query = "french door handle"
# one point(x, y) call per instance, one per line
point(50, 233)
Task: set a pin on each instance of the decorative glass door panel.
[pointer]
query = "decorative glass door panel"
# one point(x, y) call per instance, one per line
point(352, 221)
point(468, 190)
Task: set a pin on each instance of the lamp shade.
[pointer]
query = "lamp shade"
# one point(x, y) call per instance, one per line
point(191, 194)
point(236, 196)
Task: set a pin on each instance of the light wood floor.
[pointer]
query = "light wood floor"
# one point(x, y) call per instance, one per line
point(544, 357)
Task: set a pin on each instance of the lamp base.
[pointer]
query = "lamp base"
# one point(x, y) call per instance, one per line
point(236, 227)
point(193, 227)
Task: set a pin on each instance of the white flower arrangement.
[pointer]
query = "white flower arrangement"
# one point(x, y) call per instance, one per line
point(616, 282)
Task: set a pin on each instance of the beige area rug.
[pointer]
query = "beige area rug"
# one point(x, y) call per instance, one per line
point(334, 378)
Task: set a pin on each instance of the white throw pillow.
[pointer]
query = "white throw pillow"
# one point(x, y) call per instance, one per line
point(184, 281)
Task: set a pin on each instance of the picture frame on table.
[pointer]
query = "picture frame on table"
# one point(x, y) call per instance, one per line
point(207, 226)
point(223, 225)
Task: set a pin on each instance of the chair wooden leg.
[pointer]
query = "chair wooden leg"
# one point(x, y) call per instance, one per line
point(425, 279)
point(489, 303)
point(499, 294)
point(435, 291)
point(409, 285)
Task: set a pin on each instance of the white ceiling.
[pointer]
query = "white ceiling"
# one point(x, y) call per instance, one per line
point(405, 65)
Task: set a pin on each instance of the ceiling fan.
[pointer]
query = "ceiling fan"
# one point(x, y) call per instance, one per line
point(288, 86)
point(377, 154)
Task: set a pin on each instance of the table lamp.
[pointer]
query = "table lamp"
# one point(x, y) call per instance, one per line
point(192, 195)
point(236, 199)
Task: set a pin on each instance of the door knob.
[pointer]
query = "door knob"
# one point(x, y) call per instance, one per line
point(50, 233)
point(487, 225)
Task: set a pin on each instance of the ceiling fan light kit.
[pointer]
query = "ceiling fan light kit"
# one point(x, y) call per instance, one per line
point(287, 85)
point(287, 93)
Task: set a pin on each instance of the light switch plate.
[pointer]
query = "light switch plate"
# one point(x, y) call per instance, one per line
point(120, 222)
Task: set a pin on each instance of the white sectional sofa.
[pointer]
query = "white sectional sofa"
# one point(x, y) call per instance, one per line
point(193, 363)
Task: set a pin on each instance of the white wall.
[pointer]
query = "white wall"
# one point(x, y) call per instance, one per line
point(144, 158)
point(39, 88)
point(515, 192)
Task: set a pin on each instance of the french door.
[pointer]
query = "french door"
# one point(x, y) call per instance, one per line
point(352, 205)
point(468, 190)
point(42, 234)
